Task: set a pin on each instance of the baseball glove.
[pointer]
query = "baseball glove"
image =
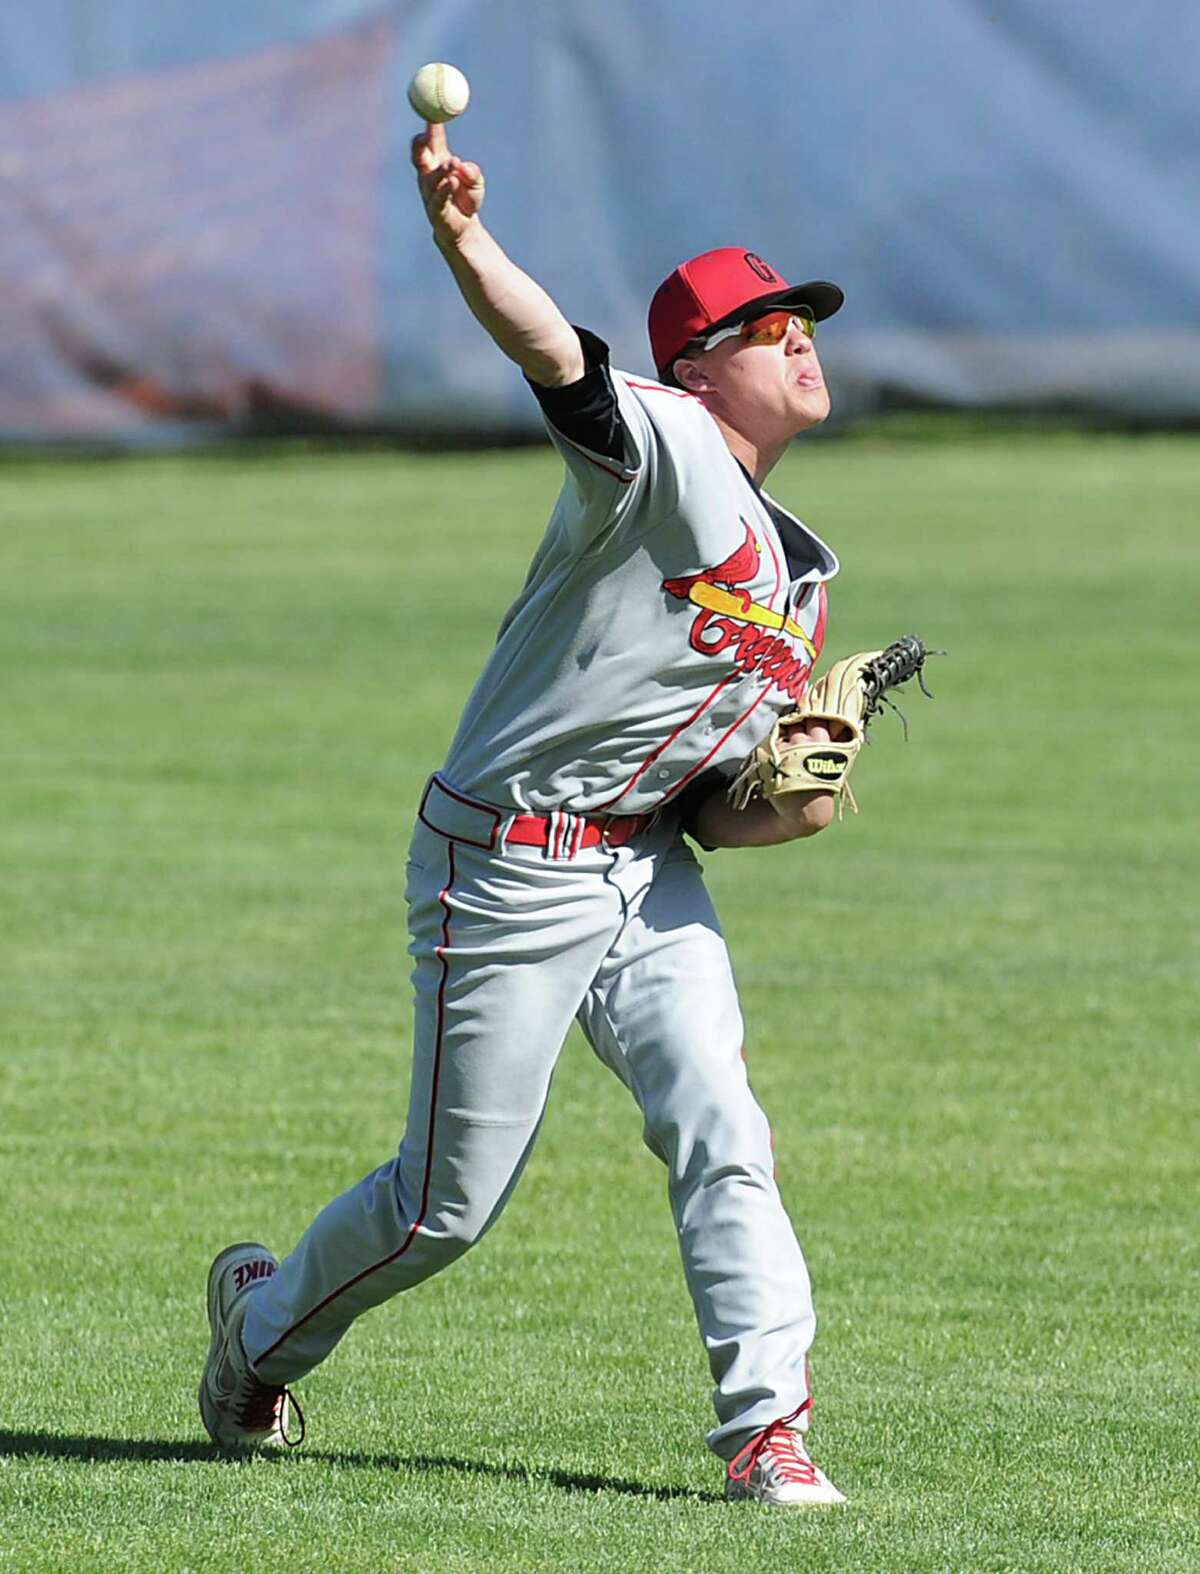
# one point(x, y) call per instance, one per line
point(843, 701)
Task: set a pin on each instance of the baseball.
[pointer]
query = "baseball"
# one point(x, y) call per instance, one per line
point(439, 92)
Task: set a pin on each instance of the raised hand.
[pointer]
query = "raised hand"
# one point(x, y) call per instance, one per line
point(513, 308)
point(451, 188)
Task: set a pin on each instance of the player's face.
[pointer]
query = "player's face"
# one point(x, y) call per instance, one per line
point(773, 388)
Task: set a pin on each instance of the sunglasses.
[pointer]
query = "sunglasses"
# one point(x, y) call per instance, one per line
point(768, 329)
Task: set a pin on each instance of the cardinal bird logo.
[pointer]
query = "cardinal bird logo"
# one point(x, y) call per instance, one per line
point(721, 590)
point(737, 569)
point(755, 637)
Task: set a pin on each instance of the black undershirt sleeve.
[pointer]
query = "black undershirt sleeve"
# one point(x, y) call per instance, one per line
point(586, 411)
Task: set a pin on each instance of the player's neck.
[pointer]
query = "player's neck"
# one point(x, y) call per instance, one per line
point(758, 459)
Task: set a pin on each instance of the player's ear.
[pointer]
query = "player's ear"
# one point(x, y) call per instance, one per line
point(692, 377)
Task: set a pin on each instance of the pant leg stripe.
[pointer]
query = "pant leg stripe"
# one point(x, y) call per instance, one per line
point(440, 953)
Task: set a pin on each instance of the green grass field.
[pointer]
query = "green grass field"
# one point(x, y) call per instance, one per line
point(973, 1017)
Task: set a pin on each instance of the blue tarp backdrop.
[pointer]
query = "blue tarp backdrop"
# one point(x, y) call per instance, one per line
point(208, 223)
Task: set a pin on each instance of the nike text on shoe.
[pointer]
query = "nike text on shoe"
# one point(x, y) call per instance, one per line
point(237, 1409)
point(774, 1467)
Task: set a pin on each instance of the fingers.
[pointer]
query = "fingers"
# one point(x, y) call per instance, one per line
point(812, 730)
point(472, 179)
point(452, 189)
point(429, 147)
point(422, 158)
point(428, 161)
point(442, 183)
point(453, 181)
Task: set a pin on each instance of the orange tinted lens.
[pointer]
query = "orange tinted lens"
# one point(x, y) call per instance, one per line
point(766, 330)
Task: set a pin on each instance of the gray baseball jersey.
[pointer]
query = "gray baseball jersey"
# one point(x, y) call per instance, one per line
point(670, 612)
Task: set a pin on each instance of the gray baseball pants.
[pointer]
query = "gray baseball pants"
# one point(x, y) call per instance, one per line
point(510, 944)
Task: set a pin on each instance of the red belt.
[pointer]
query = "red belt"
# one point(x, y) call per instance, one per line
point(535, 830)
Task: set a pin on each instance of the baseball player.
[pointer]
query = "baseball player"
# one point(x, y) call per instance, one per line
point(671, 613)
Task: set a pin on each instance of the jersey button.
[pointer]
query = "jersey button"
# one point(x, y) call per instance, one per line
point(663, 775)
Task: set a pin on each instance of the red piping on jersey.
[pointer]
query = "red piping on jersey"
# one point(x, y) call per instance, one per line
point(683, 781)
point(676, 393)
point(695, 716)
point(818, 637)
point(774, 559)
point(440, 953)
point(667, 742)
point(625, 480)
point(679, 786)
point(818, 633)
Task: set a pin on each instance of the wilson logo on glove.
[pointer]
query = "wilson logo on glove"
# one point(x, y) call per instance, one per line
point(827, 765)
point(843, 702)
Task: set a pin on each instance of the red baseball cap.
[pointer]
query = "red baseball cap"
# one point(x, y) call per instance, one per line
point(713, 291)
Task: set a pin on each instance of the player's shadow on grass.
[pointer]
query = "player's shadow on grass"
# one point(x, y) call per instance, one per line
point(46, 1445)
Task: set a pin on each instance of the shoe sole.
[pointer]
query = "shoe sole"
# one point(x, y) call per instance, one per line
point(744, 1495)
point(214, 1344)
